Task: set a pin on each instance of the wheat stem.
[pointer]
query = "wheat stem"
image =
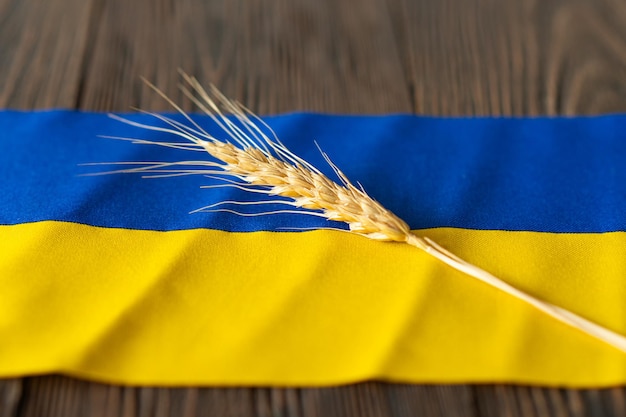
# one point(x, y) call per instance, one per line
point(565, 316)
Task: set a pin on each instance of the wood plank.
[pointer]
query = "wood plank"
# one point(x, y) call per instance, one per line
point(499, 400)
point(274, 56)
point(491, 57)
point(42, 48)
point(69, 397)
point(10, 396)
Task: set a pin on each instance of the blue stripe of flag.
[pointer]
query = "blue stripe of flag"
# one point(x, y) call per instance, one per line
point(535, 174)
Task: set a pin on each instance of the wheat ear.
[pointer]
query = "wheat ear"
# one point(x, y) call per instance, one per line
point(252, 161)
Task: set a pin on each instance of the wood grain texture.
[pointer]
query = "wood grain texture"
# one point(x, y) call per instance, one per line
point(10, 395)
point(274, 56)
point(444, 57)
point(68, 397)
point(42, 46)
point(532, 57)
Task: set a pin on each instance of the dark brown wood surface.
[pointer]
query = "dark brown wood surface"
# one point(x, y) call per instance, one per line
point(440, 57)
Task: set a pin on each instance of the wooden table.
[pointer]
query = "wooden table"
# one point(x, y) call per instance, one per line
point(439, 57)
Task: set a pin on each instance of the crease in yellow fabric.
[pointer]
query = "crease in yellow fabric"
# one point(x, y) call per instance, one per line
point(314, 308)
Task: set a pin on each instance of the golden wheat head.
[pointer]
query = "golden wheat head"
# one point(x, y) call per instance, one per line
point(249, 159)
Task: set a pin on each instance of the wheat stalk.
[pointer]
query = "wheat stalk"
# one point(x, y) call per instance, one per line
point(252, 161)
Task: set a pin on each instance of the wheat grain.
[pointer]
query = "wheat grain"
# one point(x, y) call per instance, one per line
point(255, 162)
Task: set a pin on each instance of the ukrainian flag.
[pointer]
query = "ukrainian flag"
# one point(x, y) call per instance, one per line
point(108, 277)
